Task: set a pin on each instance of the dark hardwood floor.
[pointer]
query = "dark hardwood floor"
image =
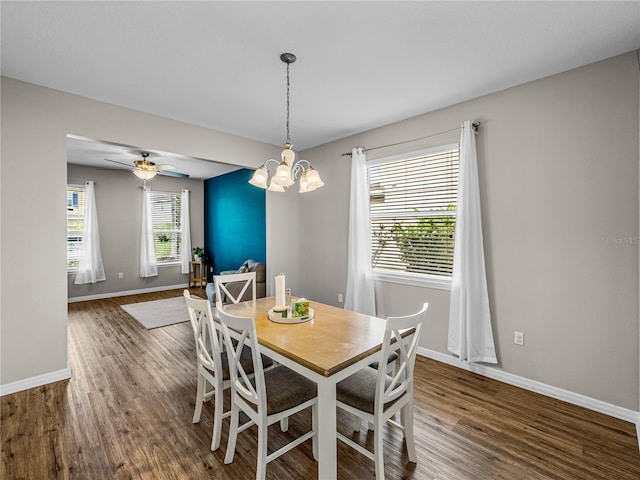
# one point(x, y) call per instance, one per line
point(126, 414)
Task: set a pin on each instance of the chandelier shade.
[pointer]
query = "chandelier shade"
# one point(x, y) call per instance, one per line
point(283, 175)
point(287, 171)
point(260, 178)
point(274, 187)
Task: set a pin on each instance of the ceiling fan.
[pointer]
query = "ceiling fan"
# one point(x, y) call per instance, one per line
point(146, 169)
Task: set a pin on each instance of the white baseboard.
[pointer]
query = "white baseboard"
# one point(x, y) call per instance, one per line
point(36, 381)
point(538, 387)
point(128, 292)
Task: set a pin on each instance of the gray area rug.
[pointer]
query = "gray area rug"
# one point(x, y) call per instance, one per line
point(159, 313)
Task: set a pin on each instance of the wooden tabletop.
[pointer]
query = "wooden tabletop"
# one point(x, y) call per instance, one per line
point(334, 339)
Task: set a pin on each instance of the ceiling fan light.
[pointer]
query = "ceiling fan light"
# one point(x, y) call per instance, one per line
point(144, 174)
point(259, 178)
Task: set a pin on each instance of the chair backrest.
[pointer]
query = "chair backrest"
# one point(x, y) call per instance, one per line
point(204, 332)
point(245, 333)
point(402, 335)
point(223, 283)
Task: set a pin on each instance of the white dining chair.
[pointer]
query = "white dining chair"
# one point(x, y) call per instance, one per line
point(212, 364)
point(375, 397)
point(241, 282)
point(269, 397)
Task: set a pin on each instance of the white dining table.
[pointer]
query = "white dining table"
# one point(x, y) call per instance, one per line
point(333, 345)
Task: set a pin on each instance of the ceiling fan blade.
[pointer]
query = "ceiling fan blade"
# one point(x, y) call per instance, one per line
point(169, 173)
point(121, 163)
point(166, 166)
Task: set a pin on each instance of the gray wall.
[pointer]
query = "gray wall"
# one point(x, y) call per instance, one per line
point(119, 204)
point(33, 280)
point(558, 164)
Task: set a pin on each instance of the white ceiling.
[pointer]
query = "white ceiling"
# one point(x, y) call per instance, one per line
point(360, 64)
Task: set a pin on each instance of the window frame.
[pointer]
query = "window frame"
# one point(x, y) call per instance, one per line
point(439, 282)
point(83, 188)
point(178, 231)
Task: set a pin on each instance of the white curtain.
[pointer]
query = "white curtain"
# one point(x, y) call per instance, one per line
point(470, 332)
point(148, 264)
point(90, 268)
point(186, 232)
point(360, 295)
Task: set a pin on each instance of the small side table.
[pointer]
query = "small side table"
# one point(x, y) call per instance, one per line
point(197, 274)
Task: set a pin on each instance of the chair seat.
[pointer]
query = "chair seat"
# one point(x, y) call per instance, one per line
point(286, 389)
point(359, 390)
point(393, 356)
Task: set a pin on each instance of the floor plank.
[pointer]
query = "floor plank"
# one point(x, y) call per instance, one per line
point(126, 414)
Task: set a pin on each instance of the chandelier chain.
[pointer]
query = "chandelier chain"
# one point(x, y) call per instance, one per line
point(288, 88)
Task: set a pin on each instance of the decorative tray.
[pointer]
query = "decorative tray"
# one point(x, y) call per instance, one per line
point(278, 318)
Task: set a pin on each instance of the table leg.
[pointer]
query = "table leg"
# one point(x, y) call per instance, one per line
point(327, 449)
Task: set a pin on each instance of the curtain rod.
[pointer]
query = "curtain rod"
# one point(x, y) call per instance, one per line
point(474, 126)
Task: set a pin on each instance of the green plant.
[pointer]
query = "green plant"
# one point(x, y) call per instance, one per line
point(425, 243)
point(198, 252)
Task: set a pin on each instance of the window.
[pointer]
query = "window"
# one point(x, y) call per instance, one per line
point(166, 217)
point(75, 224)
point(413, 205)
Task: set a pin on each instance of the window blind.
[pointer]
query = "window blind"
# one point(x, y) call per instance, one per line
point(412, 206)
point(165, 216)
point(75, 224)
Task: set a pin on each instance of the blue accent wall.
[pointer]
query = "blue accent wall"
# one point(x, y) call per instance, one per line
point(234, 220)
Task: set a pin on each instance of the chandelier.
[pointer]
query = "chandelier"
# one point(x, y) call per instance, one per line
point(287, 171)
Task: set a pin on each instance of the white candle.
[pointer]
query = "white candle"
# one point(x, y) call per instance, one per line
point(280, 291)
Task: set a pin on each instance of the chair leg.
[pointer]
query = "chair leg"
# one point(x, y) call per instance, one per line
point(199, 399)
point(233, 434)
point(217, 419)
point(406, 416)
point(284, 424)
point(356, 423)
point(377, 450)
point(314, 426)
point(261, 469)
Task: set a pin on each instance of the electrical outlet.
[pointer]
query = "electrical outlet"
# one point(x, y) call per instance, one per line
point(339, 298)
point(518, 338)
point(120, 275)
